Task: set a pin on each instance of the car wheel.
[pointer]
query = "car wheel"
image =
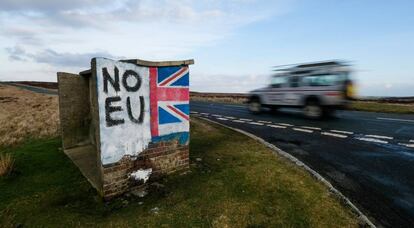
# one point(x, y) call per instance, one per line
point(255, 106)
point(313, 110)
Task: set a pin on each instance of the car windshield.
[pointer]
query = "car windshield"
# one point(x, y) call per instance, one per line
point(324, 79)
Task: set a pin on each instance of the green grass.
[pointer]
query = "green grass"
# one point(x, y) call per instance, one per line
point(238, 183)
point(382, 107)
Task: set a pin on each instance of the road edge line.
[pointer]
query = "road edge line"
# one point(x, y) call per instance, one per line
point(361, 216)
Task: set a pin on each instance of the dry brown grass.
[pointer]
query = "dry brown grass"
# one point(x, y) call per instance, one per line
point(25, 114)
point(231, 100)
point(6, 164)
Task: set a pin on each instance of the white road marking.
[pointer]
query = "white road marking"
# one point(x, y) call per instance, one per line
point(372, 140)
point(217, 115)
point(255, 123)
point(222, 119)
point(379, 136)
point(403, 120)
point(334, 135)
point(407, 145)
point(302, 130)
point(343, 132)
point(285, 124)
point(194, 112)
point(238, 121)
point(229, 117)
point(262, 121)
point(276, 126)
point(203, 113)
point(312, 128)
point(245, 119)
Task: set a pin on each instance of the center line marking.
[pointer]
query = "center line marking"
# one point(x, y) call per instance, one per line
point(285, 124)
point(312, 128)
point(372, 140)
point(407, 145)
point(334, 135)
point(263, 121)
point(230, 117)
point(302, 130)
point(379, 136)
point(404, 120)
point(343, 132)
point(255, 123)
point(246, 119)
point(222, 119)
point(238, 121)
point(276, 126)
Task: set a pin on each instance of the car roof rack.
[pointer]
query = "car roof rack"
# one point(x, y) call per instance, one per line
point(301, 66)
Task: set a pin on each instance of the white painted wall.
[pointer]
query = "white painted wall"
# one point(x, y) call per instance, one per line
point(128, 138)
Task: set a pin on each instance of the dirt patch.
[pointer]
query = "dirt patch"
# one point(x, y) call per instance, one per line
point(25, 114)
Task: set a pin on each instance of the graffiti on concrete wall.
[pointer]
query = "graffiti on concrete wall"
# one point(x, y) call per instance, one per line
point(139, 105)
point(124, 117)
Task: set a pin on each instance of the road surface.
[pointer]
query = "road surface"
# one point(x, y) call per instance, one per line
point(369, 157)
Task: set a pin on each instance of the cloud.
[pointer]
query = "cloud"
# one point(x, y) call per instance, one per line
point(53, 58)
point(98, 13)
point(229, 83)
point(63, 34)
point(47, 5)
point(16, 53)
point(185, 24)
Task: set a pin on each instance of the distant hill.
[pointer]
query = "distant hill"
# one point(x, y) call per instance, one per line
point(47, 85)
point(54, 85)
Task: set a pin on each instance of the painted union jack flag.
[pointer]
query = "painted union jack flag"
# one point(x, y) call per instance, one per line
point(169, 100)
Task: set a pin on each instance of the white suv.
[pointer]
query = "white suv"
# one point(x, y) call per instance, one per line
point(318, 88)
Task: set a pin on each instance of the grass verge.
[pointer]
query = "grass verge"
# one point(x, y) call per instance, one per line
point(367, 106)
point(234, 182)
point(370, 106)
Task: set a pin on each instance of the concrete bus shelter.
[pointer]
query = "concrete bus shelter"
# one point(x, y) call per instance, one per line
point(124, 122)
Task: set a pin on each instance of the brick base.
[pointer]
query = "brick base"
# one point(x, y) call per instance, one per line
point(162, 157)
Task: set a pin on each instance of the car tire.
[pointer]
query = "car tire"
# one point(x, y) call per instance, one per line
point(313, 110)
point(255, 106)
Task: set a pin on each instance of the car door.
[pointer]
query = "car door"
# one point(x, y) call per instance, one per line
point(277, 90)
point(292, 95)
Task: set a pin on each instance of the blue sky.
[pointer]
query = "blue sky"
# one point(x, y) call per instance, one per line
point(234, 43)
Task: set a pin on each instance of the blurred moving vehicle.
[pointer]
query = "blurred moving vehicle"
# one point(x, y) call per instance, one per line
point(318, 88)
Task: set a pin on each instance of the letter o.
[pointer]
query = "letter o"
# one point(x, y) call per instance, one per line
point(137, 85)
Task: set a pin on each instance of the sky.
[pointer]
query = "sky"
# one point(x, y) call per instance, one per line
point(234, 43)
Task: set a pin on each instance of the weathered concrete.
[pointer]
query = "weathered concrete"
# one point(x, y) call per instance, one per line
point(120, 117)
point(73, 109)
point(84, 158)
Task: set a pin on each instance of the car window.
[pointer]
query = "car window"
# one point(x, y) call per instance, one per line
point(322, 79)
point(294, 81)
point(278, 81)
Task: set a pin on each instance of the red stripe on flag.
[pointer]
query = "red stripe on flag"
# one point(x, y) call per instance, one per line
point(178, 73)
point(153, 101)
point(178, 112)
point(172, 94)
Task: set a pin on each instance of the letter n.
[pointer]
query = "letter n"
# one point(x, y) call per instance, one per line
point(107, 78)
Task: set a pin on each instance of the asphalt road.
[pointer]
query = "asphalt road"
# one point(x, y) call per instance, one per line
point(369, 157)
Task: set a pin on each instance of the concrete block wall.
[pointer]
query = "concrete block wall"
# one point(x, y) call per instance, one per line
point(74, 109)
point(107, 154)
